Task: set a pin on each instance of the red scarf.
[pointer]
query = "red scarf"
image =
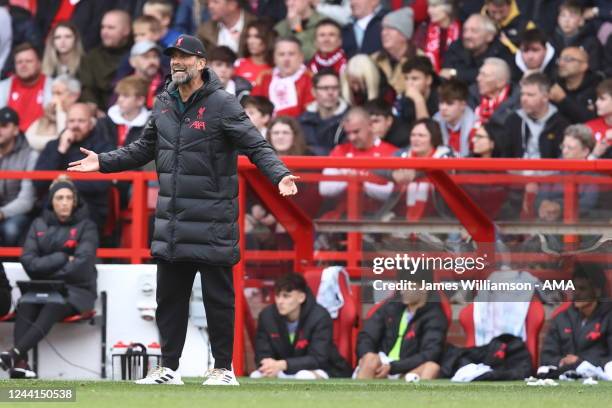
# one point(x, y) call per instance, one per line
point(488, 106)
point(417, 195)
point(152, 91)
point(335, 60)
point(433, 48)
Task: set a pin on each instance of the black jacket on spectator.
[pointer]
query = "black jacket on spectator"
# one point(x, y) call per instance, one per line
point(322, 135)
point(505, 354)
point(273, 9)
point(607, 58)
point(467, 65)
point(586, 38)
point(5, 292)
point(371, 39)
point(591, 341)
point(94, 193)
point(423, 340)
point(24, 30)
point(87, 17)
point(406, 111)
point(196, 154)
point(542, 12)
point(49, 244)
point(518, 134)
point(504, 110)
point(579, 104)
point(313, 346)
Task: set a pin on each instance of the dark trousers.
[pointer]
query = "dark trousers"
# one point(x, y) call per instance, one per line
point(33, 323)
point(174, 284)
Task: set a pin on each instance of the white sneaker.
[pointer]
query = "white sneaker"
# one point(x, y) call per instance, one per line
point(220, 376)
point(161, 375)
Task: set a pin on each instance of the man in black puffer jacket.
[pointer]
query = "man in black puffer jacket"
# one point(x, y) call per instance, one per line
point(295, 336)
point(194, 135)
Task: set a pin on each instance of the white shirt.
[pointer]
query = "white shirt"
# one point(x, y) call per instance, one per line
point(226, 37)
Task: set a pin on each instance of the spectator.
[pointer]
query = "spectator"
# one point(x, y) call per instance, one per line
point(6, 33)
point(80, 132)
point(163, 11)
point(362, 81)
point(129, 114)
point(63, 51)
point(478, 42)
point(226, 25)
point(577, 144)
point(536, 129)
point(574, 92)
point(289, 84)
point(146, 61)
point(589, 315)
point(509, 20)
point(305, 349)
point(65, 92)
point(60, 245)
point(486, 141)
point(321, 122)
point(544, 14)
point(258, 51)
point(425, 141)
point(405, 335)
point(86, 15)
point(571, 31)
point(17, 195)
point(301, 22)
point(384, 125)
point(328, 44)
point(397, 49)
point(493, 97)
point(454, 115)
point(535, 54)
point(362, 34)
point(99, 66)
point(361, 142)
point(221, 61)
point(601, 127)
point(259, 109)
point(435, 35)
point(286, 136)
point(420, 97)
point(29, 89)
point(146, 28)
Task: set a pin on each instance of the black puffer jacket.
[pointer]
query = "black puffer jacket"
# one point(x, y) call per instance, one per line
point(196, 156)
point(422, 341)
point(313, 347)
point(50, 243)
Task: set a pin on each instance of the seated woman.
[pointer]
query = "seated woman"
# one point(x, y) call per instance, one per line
point(61, 245)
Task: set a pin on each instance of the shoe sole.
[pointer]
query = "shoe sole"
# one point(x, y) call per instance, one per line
point(166, 383)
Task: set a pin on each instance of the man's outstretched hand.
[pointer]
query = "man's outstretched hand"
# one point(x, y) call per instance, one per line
point(88, 164)
point(287, 186)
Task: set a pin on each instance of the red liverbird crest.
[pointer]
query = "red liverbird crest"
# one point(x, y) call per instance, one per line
point(179, 41)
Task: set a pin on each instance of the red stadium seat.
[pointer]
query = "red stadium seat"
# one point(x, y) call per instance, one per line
point(347, 317)
point(533, 325)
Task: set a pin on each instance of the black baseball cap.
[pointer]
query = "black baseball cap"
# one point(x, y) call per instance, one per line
point(187, 44)
point(8, 115)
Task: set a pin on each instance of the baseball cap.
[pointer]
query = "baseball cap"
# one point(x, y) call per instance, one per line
point(142, 47)
point(187, 44)
point(8, 115)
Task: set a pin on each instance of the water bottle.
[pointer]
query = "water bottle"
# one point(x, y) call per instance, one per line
point(118, 351)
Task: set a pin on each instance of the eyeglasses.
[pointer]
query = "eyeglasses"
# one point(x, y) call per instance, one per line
point(327, 88)
point(569, 59)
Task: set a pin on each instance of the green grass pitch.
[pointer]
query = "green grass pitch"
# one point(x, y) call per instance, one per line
point(322, 394)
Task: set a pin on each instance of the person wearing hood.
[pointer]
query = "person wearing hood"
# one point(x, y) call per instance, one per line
point(16, 196)
point(574, 92)
point(194, 135)
point(129, 114)
point(535, 54)
point(572, 31)
point(405, 336)
point(222, 61)
point(295, 336)
point(322, 121)
point(536, 129)
point(61, 245)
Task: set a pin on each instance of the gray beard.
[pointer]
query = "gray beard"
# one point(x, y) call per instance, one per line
point(181, 79)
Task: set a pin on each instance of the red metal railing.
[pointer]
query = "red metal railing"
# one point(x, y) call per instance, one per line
point(300, 227)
